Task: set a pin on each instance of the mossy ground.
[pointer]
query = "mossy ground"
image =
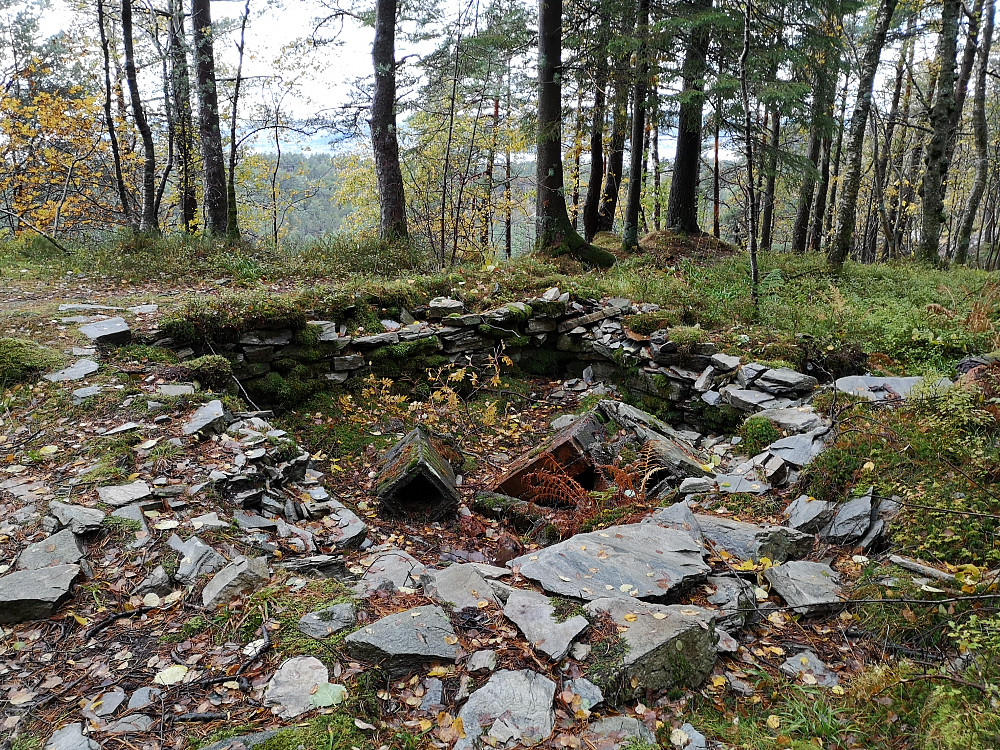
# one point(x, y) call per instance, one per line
point(22, 360)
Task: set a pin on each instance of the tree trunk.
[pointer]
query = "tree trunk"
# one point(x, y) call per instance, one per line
point(554, 233)
point(109, 121)
point(655, 144)
point(232, 209)
point(216, 208)
point(767, 202)
point(592, 203)
point(630, 232)
point(748, 138)
point(819, 210)
point(616, 156)
point(818, 128)
point(831, 203)
point(935, 159)
point(180, 92)
point(391, 197)
point(682, 206)
point(847, 212)
point(980, 132)
point(147, 215)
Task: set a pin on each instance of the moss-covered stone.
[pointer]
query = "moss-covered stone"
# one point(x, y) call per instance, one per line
point(212, 370)
point(407, 357)
point(22, 360)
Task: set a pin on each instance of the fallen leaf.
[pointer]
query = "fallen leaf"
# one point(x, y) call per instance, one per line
point(171, 675)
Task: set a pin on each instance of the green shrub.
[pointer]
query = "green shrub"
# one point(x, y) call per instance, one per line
point(22, 360)
point(757, 434)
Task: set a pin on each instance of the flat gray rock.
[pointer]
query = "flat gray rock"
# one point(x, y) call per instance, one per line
point(512, 708)
point(35, 594)
point(616, 732)
point(290, 689)
point(80, 394)
point(534, 615)
point(62, 548)
point(457, 586)
point(689, 739)
point(591, 696)
point(197, 559)
point(77, 371)
point(143, 309)
point(83, 306)
point(747, 399)
point(808, 514)
point(77, 518)
point(211, 417)
point(394, 568)
point(109, 332)
point(725, 362)
point(131, 724)
point(242, 574)
point(71, 737)
point(679, 516)
point(748, 541)
point(794, 420)
point(807, 663)
point(143, 697)
point(484, 660)
point(124, 494)
point(325, 622)
point(784, 381)
point(405, 640)
point(851, 521)
point(666, 646)
point(883, 389)
point(637, 561)
point(799, 450)
point(809, 588)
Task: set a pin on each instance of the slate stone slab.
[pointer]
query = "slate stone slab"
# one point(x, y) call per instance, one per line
point(62, 548)
point(35, 594)
point(242, 574)
point(591, 696)
point(79, 519)
point(799, 450)
point(175, 389)
point(405, 640)
point(678, 516)
point(212, 417)
point(289, 691)
point(325, 622)
point(807, 663)
point(748, 541)
point(882, 389)
point(457, 586)
point(81, 394)
point(534, 615)
point(197, 559)
point(131, 724)
point(439, 307)
point(735, 599)
point(109, 332)
point(666, 646)
point(616, 732)
point(641, 561)
point(746, 399)
point(851, 521)
point(484, 660)
point(809, 588)
point(415, 480)
point(71, 737)
point(675, 457)
point(794, 420)
point(77, 371)
point(808, 514)
point(124, 494)
point(394, 567)
point(513, 708)
point(784, 381)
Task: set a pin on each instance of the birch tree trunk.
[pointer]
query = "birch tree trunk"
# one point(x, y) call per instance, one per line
point(216, 203)
point(847, 211)
point(935, 159)
point(980, 133)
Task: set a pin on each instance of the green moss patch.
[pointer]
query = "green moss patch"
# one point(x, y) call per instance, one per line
point(22, 360)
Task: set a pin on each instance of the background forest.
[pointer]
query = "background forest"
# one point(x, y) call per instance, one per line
point(856, 129)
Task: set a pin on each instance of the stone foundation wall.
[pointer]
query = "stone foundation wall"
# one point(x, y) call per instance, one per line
point(552, 335)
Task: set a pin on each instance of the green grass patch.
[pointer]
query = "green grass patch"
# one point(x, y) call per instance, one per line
point(22, 360)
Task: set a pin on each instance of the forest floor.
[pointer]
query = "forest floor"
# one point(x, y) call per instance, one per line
point(914, 658)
